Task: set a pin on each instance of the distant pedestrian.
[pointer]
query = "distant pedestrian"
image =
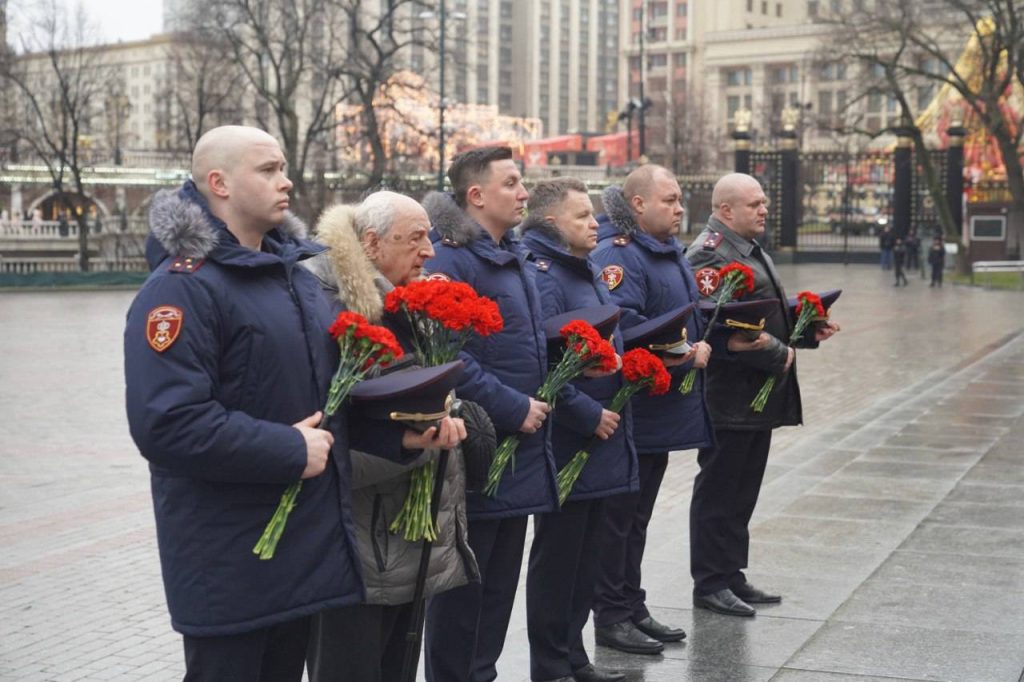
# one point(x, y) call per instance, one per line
point(899, 257)
point(886, 240)
point(937, 259)
point(913, 244)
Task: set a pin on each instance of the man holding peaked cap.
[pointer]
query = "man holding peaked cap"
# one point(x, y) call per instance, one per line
point(374, 247)
point(645, 272)
point(726, 489)
point(560, 232)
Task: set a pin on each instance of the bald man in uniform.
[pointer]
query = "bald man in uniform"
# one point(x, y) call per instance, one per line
point(227, 364)
point(725, 491)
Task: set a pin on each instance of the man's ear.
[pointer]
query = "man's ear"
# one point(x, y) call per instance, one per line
point(216, 181)
point(371, 244)
point(637, 202)
point(475, 196)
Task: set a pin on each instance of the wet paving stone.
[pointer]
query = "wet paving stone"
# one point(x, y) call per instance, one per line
point(993, 542)
point(912, 653)
point(878, 505)
point(954, 569)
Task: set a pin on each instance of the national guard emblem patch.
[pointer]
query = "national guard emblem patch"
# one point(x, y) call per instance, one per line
point(163, 324)
point(707, 281)
point(438, 277)
point(613, 276)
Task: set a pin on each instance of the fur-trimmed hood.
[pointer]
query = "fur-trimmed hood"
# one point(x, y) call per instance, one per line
point(450, 221)
point(181, 223)
point(541, 226)
point(345, 270)
point(618, 210)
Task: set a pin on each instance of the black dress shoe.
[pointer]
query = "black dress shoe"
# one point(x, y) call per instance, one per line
point(591, 673)
point(662, 633)
point(724, 602)
point(752, 595)
point(626, 637)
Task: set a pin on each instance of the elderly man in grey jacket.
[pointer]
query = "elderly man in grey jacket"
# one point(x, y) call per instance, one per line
point(375, 246)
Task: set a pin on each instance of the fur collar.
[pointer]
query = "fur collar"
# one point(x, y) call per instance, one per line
point(618, 210)
point(450, 221)
point(544, 227)
point(345, 270)
point(180, 220)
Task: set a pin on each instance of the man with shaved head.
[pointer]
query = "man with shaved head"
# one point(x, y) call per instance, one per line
point(227, 364)
point(647, 275)
point(731, 469)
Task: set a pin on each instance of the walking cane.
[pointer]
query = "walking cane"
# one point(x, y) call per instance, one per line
point(414, 636)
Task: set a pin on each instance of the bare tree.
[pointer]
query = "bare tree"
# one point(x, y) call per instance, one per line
point(377, 42)
point(905, 44)
point(60, 84)
point(204, 88)
point(287, 52)
point(693, 137)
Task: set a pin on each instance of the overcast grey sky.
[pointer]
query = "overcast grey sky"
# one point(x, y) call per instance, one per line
point(126, 19)
point(117, 19)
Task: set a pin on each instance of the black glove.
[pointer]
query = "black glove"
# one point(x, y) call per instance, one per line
point(479, 446)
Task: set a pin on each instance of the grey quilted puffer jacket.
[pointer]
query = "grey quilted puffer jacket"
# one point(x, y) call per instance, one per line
point(379, 487)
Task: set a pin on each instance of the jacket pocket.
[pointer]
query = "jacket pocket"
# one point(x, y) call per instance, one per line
point(379, 537)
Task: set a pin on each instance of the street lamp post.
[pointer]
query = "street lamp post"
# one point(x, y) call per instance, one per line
point(440, 104)
point(442, 17)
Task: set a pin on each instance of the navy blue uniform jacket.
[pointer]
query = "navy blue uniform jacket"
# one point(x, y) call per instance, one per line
point(648, 278)
point(502, 370)
point(212, 412)
point(567, 283)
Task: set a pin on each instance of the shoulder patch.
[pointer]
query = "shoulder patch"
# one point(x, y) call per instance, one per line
point(188, 265)
point(613, 276)
point(707, 281)
point(163, 325)
point(438, 277)
point(621, 240)
point(543, 264)
point(713, 240)
point(448, 241)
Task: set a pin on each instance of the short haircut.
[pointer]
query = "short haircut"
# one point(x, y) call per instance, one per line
point(547, 194)
point(471, 167)
point(638, 183)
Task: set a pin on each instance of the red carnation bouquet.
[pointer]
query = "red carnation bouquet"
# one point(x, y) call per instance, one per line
point(362, 347)
point(735, 280)
point(808, 309)
point(641, 369)
point(584, 349)
point(443, 315)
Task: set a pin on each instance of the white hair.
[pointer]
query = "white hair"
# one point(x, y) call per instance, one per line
point(376, 213)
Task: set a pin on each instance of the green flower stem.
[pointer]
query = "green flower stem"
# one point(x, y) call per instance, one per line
point(686, 385)
point(570, 473)
point(505, 454)
point(726, 291)
point(413, 520)
point(353, 367)
point(568, 368)
point(761, 399)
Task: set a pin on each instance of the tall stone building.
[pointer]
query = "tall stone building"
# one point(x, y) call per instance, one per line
point(556, 60)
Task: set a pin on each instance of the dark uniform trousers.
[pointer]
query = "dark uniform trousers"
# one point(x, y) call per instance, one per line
point(272, 654)
point(617, 592)
point(359, 643)
point(466, 626)
point(560, 587)
point(724, 496)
